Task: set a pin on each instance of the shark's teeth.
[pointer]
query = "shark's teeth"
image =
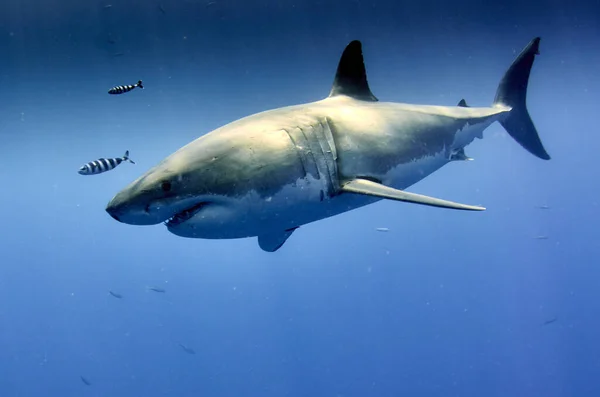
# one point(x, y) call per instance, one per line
point(184, 215)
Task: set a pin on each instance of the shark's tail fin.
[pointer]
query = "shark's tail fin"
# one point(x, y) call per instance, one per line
point(512, 92)
point(126, 157)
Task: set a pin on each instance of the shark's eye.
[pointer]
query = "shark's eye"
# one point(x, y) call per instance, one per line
point(166, 186)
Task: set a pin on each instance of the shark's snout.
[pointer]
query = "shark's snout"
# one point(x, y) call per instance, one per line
point(113, 211)
point(115, 208)
point(134, 209)
point(132, 215)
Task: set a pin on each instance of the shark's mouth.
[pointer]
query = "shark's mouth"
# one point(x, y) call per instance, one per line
point(184, 215)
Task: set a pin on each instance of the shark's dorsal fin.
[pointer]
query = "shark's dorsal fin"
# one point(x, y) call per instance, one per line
point(462, 103)
point(370, 188)
point(351, 76)
point(273, 241)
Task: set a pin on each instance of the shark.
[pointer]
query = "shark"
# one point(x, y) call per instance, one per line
point(267, 174)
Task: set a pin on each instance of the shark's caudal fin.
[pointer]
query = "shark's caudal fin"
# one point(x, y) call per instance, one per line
point(351, 76)
point(512, 92)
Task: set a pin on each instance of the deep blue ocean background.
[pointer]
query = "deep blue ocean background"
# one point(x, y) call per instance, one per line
point(447, 303)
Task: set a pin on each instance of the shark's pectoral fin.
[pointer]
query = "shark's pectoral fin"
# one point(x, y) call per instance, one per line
point(369, 188)
point(271, 242)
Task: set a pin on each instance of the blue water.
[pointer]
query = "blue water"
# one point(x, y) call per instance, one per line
point(444, 304)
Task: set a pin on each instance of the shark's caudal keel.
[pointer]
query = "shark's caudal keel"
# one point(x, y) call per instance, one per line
point(269, 173)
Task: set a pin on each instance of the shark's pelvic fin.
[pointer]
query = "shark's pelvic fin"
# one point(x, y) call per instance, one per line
point(271, 242)
point(369, 188)
point(462, 103)
point(351, 76)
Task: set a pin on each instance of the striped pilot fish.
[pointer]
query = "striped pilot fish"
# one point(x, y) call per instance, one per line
point(102, 165)
point(121, 89)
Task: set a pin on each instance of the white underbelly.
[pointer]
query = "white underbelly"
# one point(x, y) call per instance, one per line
point(405, 175)
point(294, 205)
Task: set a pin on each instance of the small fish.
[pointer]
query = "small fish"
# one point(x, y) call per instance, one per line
point(160, 7)
point(84, 380)
point(118, 296)
point(118, 54)
point(102, 165)
point(121, 89)
point(550, 321)
point(543, 207)
point(186, 349)
point(382, 229)
point(541, 237)
point(156, 289)
point(108, 6)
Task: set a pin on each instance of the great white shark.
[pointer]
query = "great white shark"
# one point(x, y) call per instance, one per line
point(269, 173)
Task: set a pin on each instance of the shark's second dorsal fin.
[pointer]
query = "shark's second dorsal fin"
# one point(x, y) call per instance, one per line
point(351, 75)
